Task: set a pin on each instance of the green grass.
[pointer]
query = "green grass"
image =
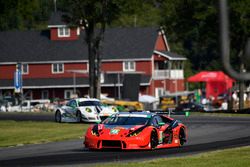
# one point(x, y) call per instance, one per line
point(239, 157)
point(27, 132)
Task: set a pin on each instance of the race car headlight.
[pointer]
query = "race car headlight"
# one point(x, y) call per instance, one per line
point(114, 109)
point(95, 131)
point(88, 110)
point(136, 132)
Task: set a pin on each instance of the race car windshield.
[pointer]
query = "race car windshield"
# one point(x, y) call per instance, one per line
point(89, 103)
point(126, 120)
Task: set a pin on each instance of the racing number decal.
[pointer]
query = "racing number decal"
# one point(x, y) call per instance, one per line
point(114, 131)
point(100, 126)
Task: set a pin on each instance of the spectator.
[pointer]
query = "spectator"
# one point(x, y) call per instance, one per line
point(235, 99)
point(224, 105)
point(234, 96)
point(245, 97)
point(204, 101)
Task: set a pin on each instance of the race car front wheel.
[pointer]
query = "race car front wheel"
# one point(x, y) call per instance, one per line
point(182, 137)
point(58, 116)
point(153, 140)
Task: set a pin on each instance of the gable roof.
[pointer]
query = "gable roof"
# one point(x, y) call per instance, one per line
point(170, 55)
point(36, 46)
point(129, 43)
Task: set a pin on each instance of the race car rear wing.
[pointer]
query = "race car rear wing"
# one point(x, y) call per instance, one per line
point(170, 112)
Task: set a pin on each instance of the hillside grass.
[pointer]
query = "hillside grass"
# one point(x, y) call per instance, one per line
point(15, 133)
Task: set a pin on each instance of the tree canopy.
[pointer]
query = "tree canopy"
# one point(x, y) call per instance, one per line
point(194, 25)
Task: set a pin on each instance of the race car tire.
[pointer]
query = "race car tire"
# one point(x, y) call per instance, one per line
point(79, 116)
point(182, 137)
point(153, 139)
point(58, 117)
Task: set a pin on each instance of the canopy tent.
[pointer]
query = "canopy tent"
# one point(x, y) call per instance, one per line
point(147, 99)
point(216, 82)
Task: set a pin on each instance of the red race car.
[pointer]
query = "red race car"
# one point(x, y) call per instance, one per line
point(136, 130)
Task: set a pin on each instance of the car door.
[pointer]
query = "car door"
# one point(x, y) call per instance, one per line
point(70, 108)
point(73, 107)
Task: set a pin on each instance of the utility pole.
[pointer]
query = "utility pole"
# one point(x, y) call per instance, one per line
point(18, 82)
point(91, 70)
point(241, 88)
point(97, 77)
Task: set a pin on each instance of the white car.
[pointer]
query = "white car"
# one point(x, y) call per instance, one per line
point(83, 110)
point(29, 105)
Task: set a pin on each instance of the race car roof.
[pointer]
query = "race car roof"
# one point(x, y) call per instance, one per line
point(135, 114)
point(86, 99)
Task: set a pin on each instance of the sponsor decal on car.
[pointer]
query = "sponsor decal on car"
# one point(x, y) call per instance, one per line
point(114, 131)
point(100, 126)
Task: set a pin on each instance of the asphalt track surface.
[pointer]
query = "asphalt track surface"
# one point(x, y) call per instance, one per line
point(206, 133)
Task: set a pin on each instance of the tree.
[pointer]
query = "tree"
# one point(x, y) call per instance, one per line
point(139, 13)
point(195, 24)
point(93, 15)
point(24, 14)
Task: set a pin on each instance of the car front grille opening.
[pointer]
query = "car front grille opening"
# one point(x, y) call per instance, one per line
point(123, 144)
point(111, 144)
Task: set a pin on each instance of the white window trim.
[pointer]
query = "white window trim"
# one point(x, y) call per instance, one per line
point(25, 73)
point(78, 30)
point(157, 94)
point(102, 79)
point(71, 93)
point(42, 97)
point(129, 68)
point(57, 72)
point(87, 67)
point(64, 30)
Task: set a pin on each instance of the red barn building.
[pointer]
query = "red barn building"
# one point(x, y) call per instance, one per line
point(55, 61)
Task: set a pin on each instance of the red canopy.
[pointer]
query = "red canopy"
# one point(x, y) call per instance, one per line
point(217, 82)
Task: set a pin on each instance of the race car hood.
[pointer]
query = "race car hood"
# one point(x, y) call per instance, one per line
point(108, 110)
point(93, 109)
point(118, 129)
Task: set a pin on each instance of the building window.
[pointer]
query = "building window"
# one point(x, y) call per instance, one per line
point(102, 77)
point(25, 69)
point(68, 94)
point(159, 92)
point(45, 94)
point(129, 66)
point(57, 68)
point(29, 95)
point(177, 65)
point(63, 32)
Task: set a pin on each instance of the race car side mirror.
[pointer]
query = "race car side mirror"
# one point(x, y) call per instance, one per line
point(161, 123)
point(98, 122)
point(173, 124)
